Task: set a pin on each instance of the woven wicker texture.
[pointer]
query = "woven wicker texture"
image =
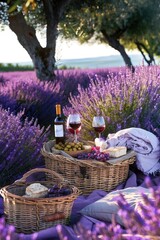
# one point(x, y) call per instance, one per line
point(87, 175)
point(33, 214)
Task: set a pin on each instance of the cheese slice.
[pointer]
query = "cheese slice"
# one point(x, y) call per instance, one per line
point(116, 151)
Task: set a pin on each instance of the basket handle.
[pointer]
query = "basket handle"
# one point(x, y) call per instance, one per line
point(35, 170)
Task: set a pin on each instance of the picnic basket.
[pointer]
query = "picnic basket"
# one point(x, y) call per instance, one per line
point(87, 175)
point(29, 215)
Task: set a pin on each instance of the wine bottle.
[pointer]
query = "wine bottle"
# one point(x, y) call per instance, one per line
point(59, 130)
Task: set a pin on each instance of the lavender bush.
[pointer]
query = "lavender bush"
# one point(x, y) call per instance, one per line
point(146, 220)
point(70, 79)
point(36, 98)
point(138, 225)
point(8, 232)
point(3, 81)
point(8, 102)
point(20, 146)
point(124, 99)
point(101, 232)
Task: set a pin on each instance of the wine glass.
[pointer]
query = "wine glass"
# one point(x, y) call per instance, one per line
point(71, 130)
point(74, 123)
point(98, 124)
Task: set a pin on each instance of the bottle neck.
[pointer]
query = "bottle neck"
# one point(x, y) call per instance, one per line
point(58, 110)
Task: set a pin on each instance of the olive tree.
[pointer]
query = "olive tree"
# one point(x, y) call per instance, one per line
point(123, 24)
point(24, 18)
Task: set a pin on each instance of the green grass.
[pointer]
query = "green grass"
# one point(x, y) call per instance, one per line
point(14, 67)
point(9, 67)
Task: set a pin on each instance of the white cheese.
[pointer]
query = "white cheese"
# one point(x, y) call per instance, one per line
point(116, 151)
point(36, 190)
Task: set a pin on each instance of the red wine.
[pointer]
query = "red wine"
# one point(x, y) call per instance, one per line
point(59, 126)
point(99, 129)
point(71, 130)
point(75, 125)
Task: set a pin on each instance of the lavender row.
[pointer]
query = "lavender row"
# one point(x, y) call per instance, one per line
point(20, 146)
point(123, 98)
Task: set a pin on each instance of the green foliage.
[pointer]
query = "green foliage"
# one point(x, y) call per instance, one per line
point(32, 9)
point(146, 29)
point(93, 18)
point(126, 20)
point(14, 67)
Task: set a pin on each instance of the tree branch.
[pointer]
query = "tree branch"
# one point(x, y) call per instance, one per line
point(53, 10)
point(26, 34)
point(113, 42)
point(141, 47)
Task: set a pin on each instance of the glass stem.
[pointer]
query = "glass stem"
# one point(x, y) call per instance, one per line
point(75, 136)
point(99, 135)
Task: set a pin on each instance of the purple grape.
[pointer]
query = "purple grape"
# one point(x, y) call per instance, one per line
point(53, 189)
point(94, 154)
point(67, 191)
point(56, 191)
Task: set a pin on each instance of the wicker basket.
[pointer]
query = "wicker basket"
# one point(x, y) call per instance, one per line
point(29, 215)
point(87, 175)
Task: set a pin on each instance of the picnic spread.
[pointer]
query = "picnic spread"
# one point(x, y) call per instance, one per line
point(93, 180)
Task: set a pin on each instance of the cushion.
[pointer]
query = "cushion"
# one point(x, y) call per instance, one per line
point(104, 208)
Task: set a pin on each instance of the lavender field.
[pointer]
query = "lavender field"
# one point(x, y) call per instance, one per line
point(28, 108)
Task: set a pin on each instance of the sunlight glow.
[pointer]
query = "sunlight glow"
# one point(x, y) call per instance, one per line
point(11, 51)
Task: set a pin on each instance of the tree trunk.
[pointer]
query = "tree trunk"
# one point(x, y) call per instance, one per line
point(43, 58)
point(142, 48)
point(113, 42)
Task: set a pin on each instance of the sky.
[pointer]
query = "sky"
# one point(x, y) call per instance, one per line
point(11, 51)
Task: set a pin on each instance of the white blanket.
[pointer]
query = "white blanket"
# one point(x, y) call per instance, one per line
point(144, 143)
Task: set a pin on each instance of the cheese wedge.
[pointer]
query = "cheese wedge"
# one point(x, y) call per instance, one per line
point(116, 151)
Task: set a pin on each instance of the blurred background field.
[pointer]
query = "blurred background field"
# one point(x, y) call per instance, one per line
point(80, 63)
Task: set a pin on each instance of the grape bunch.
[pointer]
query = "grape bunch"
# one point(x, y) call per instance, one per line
point(95, 154)
point(57, 191)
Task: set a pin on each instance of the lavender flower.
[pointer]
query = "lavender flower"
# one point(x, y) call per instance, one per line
point(7, 232)
point(143, 223)
point(126, 99)
point(20, 146)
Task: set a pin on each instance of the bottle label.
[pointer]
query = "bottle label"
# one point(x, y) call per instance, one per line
point(59, 131)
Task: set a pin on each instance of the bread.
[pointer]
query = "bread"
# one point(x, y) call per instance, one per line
point(36, 190)
point(116, 151)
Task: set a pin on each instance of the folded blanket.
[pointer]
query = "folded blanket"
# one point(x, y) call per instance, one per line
point(144, 143)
